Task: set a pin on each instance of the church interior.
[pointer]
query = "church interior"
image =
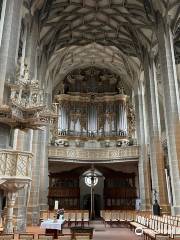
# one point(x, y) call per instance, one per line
point(89, 119)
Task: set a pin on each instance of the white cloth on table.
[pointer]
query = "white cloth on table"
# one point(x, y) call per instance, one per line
point(50, 224)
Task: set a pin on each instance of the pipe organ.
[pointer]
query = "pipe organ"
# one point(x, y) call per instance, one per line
point(94, 115)
point(92, 104)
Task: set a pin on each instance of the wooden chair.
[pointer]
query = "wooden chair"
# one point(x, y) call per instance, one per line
point(162, 227)
point(115, 217)
point(107, 217)
point(79, 218)
point(67, 217)
point(85, 218)
point(177, 230)
point(169, 229)
point(165, 228)
point(175, 222)
point(149, 233)
point(82, 236)
point(122, 216)
point(162, 237)
point(102, 213)
point(129, 216)
point(44, 215)
point(65, 237)
point(176, 237)
point(45, 237)
point(52, 214)
point(7, 236)
point(72, 218)
point(26, 236)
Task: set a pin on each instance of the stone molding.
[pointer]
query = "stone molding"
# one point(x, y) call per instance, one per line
point(26, 107)
point(87, 98)
point(115, 154)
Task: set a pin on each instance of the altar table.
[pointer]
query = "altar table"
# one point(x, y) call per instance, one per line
point(52, 226)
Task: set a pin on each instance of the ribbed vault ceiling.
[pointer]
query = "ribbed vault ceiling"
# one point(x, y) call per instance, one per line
point(109, 23)
point(109, 33)
point(93, 55)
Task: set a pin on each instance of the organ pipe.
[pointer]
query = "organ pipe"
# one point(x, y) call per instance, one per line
point(93, 118)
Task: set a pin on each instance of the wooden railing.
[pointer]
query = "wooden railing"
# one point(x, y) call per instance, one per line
point(66, 192)
point(120, 192)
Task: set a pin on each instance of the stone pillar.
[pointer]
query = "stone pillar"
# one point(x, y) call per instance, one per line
point(23, 143)
point(155, 146)
point(24, 39)
point(10, 42)
point(44, 179)
point(20, 207)
point(24, 139)
point(171, 106)
point(1, 203)
point(33, 205)
point(2, 17)
point(10, 198)
point(31, 47)
point(4, 136)
point(143, 165)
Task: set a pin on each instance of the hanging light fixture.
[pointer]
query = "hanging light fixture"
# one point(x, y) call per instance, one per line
point(91, 179)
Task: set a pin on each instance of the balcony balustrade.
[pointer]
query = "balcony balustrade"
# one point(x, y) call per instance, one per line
point(15, 164)
point(111, 154)
point(92, 134)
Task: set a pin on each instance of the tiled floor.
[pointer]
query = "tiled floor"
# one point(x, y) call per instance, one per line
point(116, 234)
point(108, 234)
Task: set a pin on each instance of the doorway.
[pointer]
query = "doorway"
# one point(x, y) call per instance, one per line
point(97, 204)
point(85, 194)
